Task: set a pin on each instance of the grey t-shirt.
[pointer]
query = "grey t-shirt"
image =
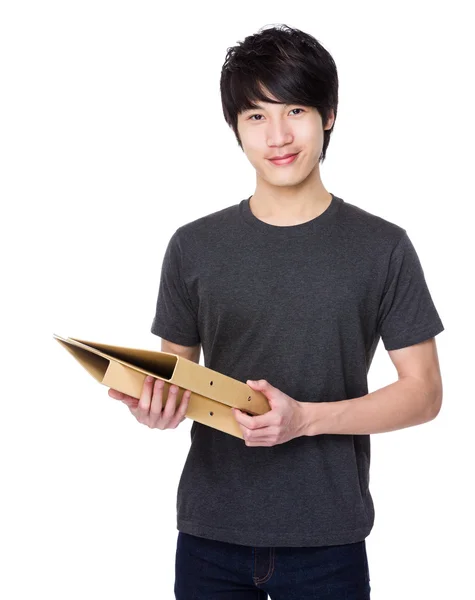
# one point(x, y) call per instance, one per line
point(303, 306)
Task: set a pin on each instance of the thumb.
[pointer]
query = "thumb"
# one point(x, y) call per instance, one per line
point(258, 383)
point(264, 386)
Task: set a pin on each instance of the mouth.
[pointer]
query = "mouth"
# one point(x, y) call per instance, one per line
point(284, 161)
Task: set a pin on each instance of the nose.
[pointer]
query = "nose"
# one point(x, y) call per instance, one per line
point(279, 133)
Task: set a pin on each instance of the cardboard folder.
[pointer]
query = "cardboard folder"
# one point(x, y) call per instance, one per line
point(213, 394)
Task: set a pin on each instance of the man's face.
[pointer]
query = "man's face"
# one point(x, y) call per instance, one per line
point(276, 130)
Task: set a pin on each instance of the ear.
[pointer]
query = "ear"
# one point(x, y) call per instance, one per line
point(331, 120)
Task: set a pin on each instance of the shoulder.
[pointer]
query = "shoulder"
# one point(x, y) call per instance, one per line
point(207, 224)
point(364, 226)
point(202, 238)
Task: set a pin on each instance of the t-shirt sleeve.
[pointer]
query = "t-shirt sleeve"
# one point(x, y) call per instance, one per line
point(175, 317)
point(407, 314)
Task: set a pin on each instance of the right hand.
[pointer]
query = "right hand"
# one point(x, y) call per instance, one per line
point(148, 408)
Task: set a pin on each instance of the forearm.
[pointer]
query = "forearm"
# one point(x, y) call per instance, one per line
point(401, 404)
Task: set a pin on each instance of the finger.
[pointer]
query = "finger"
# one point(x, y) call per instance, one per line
point(131, 402)
point(170, 406)
point(156, 405)
point(133, 408)
point(143, 407)
point(254, 421)
point(121, 396)
point(180, 414)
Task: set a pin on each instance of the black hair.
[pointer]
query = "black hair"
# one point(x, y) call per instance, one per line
point(292, 65)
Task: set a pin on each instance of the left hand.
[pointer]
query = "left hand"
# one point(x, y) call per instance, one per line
point(282, 423)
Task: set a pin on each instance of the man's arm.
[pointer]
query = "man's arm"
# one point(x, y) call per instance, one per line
point(189, 352)
point(414, 399)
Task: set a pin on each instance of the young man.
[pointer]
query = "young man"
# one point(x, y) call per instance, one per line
point(292, 287)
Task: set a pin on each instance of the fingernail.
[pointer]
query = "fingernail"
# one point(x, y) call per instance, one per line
point(149, 378)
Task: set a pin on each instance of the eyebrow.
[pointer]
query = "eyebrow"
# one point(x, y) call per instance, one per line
point(259, 107)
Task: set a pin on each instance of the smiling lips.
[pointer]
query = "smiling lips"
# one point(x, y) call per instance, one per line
point(288, 158)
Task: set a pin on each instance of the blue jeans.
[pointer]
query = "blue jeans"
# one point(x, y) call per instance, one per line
point(212, 570)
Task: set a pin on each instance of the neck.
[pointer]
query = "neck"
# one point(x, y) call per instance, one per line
point(289, 205)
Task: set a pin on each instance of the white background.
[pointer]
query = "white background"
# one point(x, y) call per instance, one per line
point(112, 136)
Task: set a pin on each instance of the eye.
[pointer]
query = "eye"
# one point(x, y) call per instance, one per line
point(259, 115)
